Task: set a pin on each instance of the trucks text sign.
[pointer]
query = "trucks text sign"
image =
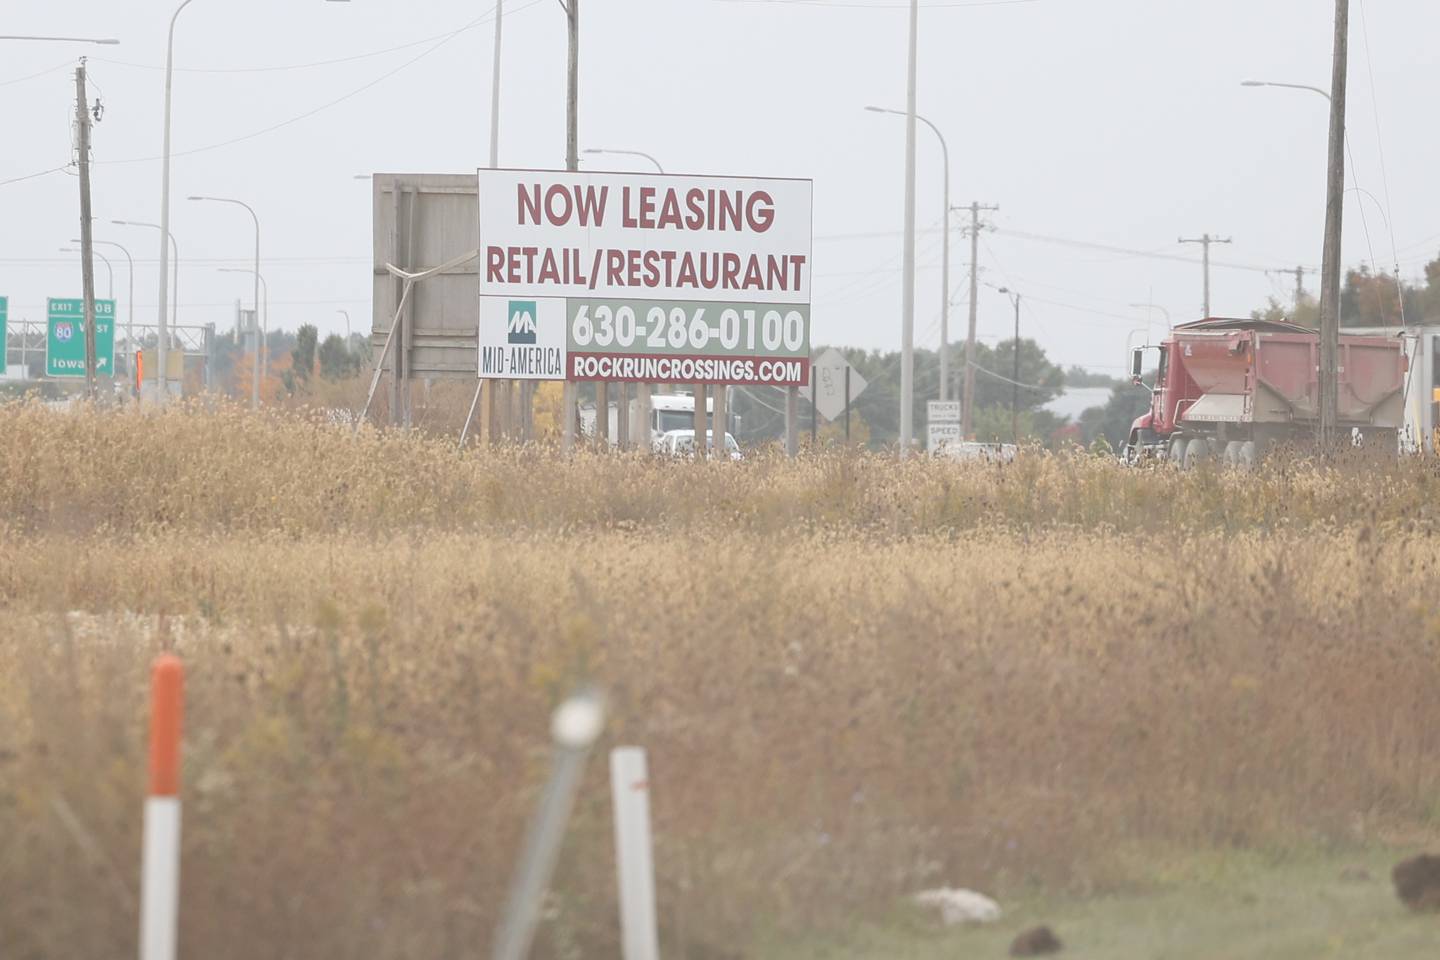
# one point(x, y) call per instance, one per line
point(647, 278)
point(65, 338)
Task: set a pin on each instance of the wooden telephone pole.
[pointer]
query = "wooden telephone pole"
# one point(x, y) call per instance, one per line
point(1334, 214)
point(87, 248)
point(1206, 241)
point(967, 396)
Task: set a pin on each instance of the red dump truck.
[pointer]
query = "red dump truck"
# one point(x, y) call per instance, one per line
point(1229, 388)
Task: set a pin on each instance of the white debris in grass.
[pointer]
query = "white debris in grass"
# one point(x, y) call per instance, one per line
point(959, 906)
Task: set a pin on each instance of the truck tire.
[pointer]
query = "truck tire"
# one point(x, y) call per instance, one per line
point(1177, 451)
point(1231, 455)
point(1196, 452)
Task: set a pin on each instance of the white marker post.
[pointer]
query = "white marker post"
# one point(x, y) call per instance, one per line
point(630, 790)
point(160, 853)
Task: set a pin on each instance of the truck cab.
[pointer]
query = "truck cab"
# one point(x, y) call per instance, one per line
point(673, 412)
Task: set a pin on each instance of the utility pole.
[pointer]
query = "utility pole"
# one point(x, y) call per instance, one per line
point(907, 296)
point(87, 247)
point(968, 397)
point(1334, 213)
point(1205, 241)
point(495, 390)
point(572, 163)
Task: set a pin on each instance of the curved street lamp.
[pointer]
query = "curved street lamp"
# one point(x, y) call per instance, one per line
point(944, 257)
point(255, 393)
point(628, 153)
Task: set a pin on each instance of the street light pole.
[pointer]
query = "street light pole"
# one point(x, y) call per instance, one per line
point(255, 392)
point(1288, 86)
point(495, 90)
point(165, 203)
point(107, 42)
point(175, 278)
point(1334, 217)
point(103, 259)
point(130, 305)
point(907, 296)
point(944, 256)
point(1150, 307)
point(346, 315)
point(261, 330)
point(1015, 378)
point(568, 403)
point(628, 153)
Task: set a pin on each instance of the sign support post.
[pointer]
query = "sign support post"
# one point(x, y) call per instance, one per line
point(160, 850)
point(792, 418)
point(634, 853)
point(814, 412)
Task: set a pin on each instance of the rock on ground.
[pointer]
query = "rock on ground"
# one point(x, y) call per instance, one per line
point(1035, 942)
point(1417, 882)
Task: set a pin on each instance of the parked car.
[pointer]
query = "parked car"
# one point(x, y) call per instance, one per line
point(681, 444)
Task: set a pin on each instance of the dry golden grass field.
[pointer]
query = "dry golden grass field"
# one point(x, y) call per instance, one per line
point(855, 678)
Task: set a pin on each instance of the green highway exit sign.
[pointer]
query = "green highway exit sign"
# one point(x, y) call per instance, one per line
point(65, 340)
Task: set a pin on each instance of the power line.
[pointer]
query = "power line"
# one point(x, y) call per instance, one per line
point(1384, 174)
point(1128, 251)
point(35, 176)
point(56, 69)
point(317, 110)
point(1061, 241)
point(1016, 383)
point(207, 261)
point(853, 5)
point(281, 68)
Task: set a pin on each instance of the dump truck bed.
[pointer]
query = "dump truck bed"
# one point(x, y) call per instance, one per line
point(1250, 374)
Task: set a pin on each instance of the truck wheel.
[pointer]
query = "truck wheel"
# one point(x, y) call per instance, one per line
point(1177, 451)
point(1196, 452)
point(1247, 456)
point(1231, 455)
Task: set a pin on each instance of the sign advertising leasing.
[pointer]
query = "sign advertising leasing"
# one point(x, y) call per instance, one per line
point(646, 278)
point(65, 338)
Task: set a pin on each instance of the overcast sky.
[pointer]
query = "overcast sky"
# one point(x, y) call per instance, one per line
point(1118, 123)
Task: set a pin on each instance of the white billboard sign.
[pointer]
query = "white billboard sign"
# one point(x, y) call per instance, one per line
point(644, 277)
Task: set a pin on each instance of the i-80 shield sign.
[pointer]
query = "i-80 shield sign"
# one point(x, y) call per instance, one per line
point(644, 277)
point(65, 338)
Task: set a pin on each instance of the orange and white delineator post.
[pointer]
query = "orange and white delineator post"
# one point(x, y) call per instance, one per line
point(160, 854)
